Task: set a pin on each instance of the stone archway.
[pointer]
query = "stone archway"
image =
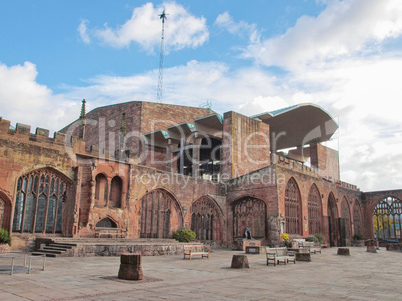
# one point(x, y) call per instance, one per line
point(206, 219)
point(314, 210)
point(106, 223)
point(333, 225)
point(293, 207)
point(387, 219)
point(38, 206)
point(160, 214)
point(344, 224)
point(249, 213)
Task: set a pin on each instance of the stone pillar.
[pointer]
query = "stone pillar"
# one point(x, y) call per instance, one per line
point(343, 251)
point(240, 262)
point(130, 267)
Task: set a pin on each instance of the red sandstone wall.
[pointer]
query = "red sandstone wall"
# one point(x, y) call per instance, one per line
point(104, 123)
point(185, 190)
point(326, 160)
point(325, 188)
point(22, 152)
point(155, 157)
point(245, 145)
point(261, 185)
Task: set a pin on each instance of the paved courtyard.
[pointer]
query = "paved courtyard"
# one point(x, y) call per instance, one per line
point(361, 276)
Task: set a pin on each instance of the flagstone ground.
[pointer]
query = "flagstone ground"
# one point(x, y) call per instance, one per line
point(360, 276)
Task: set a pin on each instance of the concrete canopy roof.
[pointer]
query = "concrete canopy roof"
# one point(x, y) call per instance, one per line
point(178, 131)
point(157, 138)
point(298, 125)
point(211, 125)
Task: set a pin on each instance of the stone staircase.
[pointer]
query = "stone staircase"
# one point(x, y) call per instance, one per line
point(56, 249)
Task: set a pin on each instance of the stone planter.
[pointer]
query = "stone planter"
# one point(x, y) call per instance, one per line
point(357, 243)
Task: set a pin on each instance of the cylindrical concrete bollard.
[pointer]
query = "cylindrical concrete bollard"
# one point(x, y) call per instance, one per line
point(239, 262)
point(130, 267)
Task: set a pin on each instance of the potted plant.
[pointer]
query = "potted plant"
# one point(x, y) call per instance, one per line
point(285, 238)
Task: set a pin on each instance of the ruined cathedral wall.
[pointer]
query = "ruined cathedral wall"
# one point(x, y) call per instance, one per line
point(22, 152)
point(184, 189)
point(326, 188)
point(259, 185)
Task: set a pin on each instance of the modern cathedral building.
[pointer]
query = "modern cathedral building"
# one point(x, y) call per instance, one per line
point(145, 169)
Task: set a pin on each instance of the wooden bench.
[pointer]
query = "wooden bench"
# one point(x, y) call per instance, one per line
point(190, 250)
point(277, 255)
point(109, 232)
point(311, 247)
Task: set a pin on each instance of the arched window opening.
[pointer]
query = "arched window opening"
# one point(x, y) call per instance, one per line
point(160, 215)
point(249, 213)
point(203, 222)
point(387, 219)
point(357, 219)
point(39, 202)
point(293, 208)
point(101, 190)
point(333, 221)
point(314, 210)
point(344, 222)
point(115, 192)
point(106, 223)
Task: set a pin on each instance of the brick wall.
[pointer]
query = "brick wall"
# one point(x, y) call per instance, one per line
point(245, 145)
point(326, 160)
point(103, 124)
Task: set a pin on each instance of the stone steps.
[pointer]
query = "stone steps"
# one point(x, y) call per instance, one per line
point(55, 250)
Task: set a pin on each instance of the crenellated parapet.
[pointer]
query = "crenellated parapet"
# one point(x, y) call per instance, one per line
point(23, 131)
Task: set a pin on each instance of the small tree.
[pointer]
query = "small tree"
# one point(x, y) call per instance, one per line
point(184, 235)
point(5, 237)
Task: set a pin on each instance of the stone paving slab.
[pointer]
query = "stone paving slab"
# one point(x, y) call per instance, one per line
point(361, 276)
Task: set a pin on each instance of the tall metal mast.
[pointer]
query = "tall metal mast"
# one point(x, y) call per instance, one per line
point(162, 16)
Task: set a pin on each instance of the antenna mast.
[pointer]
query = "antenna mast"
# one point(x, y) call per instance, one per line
point(162, 16)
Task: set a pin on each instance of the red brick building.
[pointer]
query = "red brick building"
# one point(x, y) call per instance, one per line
point(147, 169)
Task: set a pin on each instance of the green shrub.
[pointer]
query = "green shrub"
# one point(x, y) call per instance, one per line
point(184, 235)
point(5, 237)
point(312, 238)
point(320, 237)
point(358, 236)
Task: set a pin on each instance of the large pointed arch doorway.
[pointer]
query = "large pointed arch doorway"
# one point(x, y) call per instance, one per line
point(160, 214)
point(333, 226)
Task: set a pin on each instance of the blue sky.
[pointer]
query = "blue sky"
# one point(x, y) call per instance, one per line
point(250, 57)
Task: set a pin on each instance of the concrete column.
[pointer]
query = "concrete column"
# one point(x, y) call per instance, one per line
point(196, 155)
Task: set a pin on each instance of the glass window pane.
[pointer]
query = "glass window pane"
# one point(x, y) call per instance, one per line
point(51, 210)
point(19, 206)
point(29, 210)
point(40, 214)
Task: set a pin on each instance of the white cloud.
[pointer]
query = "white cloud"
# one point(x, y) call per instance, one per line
point(82, 30)
point(144, 28)
point(241, 28)
point(23, 100)
point(341, 29)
